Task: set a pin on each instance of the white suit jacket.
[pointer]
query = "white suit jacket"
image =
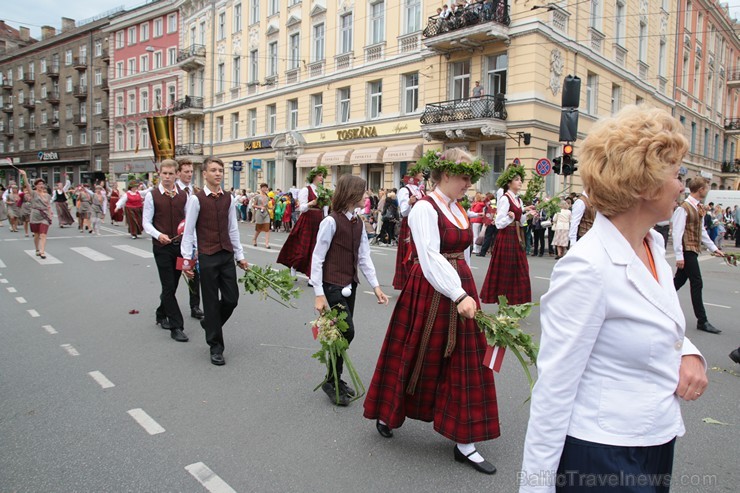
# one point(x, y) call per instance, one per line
point(612, 342)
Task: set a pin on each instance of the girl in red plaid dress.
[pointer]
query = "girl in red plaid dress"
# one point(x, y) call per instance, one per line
point(408, 195)
point(430, 367)
point(508, 272)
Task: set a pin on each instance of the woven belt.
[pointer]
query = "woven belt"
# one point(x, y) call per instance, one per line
point(426, 334)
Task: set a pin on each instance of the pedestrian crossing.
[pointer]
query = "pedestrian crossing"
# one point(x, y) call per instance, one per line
point(88, 253)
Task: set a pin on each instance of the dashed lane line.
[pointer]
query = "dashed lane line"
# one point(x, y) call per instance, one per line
point(12, 290)
point(49, 260)
point(3, 281)
point(70, 349)
point(134, 251)
point(20, 299)
point(209, 479)
point(718, 306)
point(2, 264)
point(101, 379)
point(51, 330)
point(33, 313)
point(93, 255)
point(146, 421)
point(543, 278)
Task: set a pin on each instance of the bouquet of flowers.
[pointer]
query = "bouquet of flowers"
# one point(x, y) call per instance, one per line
point(329, 330)
point(465, 202)
point(502, 332)
point(266, 279)
point(323, 196)
point(731, 258)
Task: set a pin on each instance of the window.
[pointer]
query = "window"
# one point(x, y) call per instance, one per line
point(234, 126)
point(219, 128)
point(716, 147)
point(202, 33)
point(131, 139)
point(119, 105)
point(171, 56)
point(157, 98)
point(696, 78)
point(157, 27)
point(220, 71)
point(497, 67)
point(254, 11)
point(237, 17)
point(693, 137)
point(292, 114)
point(44, 117)
point(70, 141)
point(597, 13)
point(616, 98)
point(119, 69)
point(344, 104)
point(294, 53)
point(661, 58)
point(68, 84)
point(706, 142)
point(131, 67)
point(377, 22)
point(119, 40)
point(42, 66)
point(98, 136)
point(375, 101)
point(131, 103)
point(43, 92)
point(144, 63)
point(83, 137)
point(254, 61)
point(98, 106)
point(158, 60)
point(221, 32)
point(345, 33)
point(685, 74)
point(273, 7)
point(119, 140)
point(642, 43)
point(252, 115)
point(172, 23)
point(318, 43)
point(144, 101)
point(687, 16)
point(171, 95)
point(67, 57)
point(271, 118)
point(619, 23)
point(144, 32)
point(592, 96)
point(98, 77)
point(236, 71)
point(98, 163)
point(412, 13)
point(460, 86)
point(410, 92)
point(132, 35)
point(317, 108)
point(272, 58)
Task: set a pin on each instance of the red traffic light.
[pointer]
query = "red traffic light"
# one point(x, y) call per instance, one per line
point(567, 149)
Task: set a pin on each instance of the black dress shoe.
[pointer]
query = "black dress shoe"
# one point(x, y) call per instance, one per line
point(165, 323)
point(384, 430)
point(197, 313)
point(485, 467)
point(735, 355)
point(218, 359)
point(178, 335)
point(346, 389)
point(330, 390)
point(707, 327)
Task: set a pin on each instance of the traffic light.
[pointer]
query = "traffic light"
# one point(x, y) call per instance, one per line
point(569, 162)
point(556, 165)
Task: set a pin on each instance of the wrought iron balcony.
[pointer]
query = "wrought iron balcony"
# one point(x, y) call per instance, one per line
point(104, 85)
point(105, 55)
point(31, 129)
point(29, 104)
point(732, 126)
point(8, 131)
point(53, 71)
point(29, 79)
point(52, 97)
point(53, 124)
point(8, 108)
point(7, 84)
point(80, 62)
point(732, 167)
point(190, 107)
point(471, 118)
point(189, 150)
point(80, 120)
point(104, 116)
point(468, 25)
point(192, 58)
point(80, 92)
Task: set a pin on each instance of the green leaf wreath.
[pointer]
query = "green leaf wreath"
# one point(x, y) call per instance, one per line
point(323, 196)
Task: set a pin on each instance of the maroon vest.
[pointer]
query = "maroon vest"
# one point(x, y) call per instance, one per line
point(340, 265)
point(168, 213)
point(212, 226)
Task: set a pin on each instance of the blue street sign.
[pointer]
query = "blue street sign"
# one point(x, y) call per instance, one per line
point(543, 167)
point(256, 164)
point(236, 166)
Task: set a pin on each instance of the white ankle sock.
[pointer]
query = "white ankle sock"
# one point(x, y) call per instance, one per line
point(469, 448)
point(382, 422)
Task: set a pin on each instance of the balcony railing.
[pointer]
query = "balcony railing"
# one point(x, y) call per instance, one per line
point(105, 55)
point(731, 166)
point(104, 115)
point(80, 120)
point(493, 11)
point(732, 124)
point(188, 102)
point(80, 92)
point(7, 84)
point(29, 79)
point(29, 104)
point(31, 128)
point(79, 62)
point(104, 85)
point(53, 70)
point(189, 150)
point(457, 110)
point(52, 97)
point(191, 58)
point(8, 132)
point(53, 124)
point(8, 108)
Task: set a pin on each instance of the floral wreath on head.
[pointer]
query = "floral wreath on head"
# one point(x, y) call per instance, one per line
point(318, 170)
point(509, 174)
point(132, 184)
point(435, 160)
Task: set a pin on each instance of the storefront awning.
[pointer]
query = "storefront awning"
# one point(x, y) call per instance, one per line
point(309, 160)
point(405, 152)
point(336, 158)
point(367, 155)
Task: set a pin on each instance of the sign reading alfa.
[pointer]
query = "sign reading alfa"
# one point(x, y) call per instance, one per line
point(254, 145)
point(48, 156)
point(357, 133)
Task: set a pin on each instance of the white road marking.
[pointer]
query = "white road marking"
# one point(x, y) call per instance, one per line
point(70, 349)
point(146, 421)
point(2, 264)
point(543, 278)
point(373, 294)
point(718, 306)
point(117, 233)
point(20, 299)
point(3, 281)
point(33, 313)
point(49, 329)
point(49, 260)
point(93, 255)
point(474, 267)
point(134, 251)
point(101, 379)
point(375, 252)
point(209, 479)
point(12, 290)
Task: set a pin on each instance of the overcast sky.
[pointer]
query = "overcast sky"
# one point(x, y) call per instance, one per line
point(37, 13)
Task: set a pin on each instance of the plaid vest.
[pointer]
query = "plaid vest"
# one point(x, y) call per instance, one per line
point(168, 212)
point(692, 233)
point(212, 226)
point(587, 220)
point(340, 265)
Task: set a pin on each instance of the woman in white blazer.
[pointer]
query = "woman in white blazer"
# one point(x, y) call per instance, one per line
point(614, 362)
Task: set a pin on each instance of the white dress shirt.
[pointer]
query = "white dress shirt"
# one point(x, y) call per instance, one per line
point(148, 212)
point(608, 366)
point(579, 207)
point(183, 186)
point(191, 218)
point(502, 211)
point(124, 197)
point(679, 226)
point(425, 233)
point(403, 196)
point(303, 198)
point(327, 230)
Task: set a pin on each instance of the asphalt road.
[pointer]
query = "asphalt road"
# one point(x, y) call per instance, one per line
point(158, 417)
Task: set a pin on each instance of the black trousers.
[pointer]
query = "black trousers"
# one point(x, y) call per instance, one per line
point(194, 289)
point(692, 273)
point(220, 295)
point(550, 237)
point(663, 230)
point(588, 467)
point(539, 240)
point(488, 239)
point(169, 277)
point(334, 297)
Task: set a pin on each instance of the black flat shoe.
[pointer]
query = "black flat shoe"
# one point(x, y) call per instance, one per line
point(179, 335)
point(485, 467)
point(346, 389)
point(707, 327)
point(197, 313)
point(165, 323)
point(218, 359)
point(384, 430)
point(329, 389)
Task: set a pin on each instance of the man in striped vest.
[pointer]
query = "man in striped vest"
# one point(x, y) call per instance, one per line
point(688, 235)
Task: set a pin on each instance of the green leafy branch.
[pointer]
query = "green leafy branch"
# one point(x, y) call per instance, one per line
point(264, 280)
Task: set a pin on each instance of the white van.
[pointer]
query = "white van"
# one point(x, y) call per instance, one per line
point(727, 198)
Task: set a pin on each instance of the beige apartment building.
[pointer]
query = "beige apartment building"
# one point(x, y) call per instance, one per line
point(365, 87)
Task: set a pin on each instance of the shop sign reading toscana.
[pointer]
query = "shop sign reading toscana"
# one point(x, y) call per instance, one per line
point(357, 133)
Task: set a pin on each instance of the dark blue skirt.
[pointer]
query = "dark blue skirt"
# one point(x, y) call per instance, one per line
point(590, 467)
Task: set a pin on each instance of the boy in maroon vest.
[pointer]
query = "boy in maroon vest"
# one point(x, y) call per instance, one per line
point(164, 209)
point(211, 213)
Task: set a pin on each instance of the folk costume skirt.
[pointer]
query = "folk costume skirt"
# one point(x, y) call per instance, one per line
point(116, 216)
point(403, 255)
point(508, 272)
point(298, 248)
point(134, 219)
point(65, 217)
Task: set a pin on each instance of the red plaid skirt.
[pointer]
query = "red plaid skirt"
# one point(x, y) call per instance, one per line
point(457, 393)
point(508, 272)
point(298, 248)
point(403, 265)
point(134, 220)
